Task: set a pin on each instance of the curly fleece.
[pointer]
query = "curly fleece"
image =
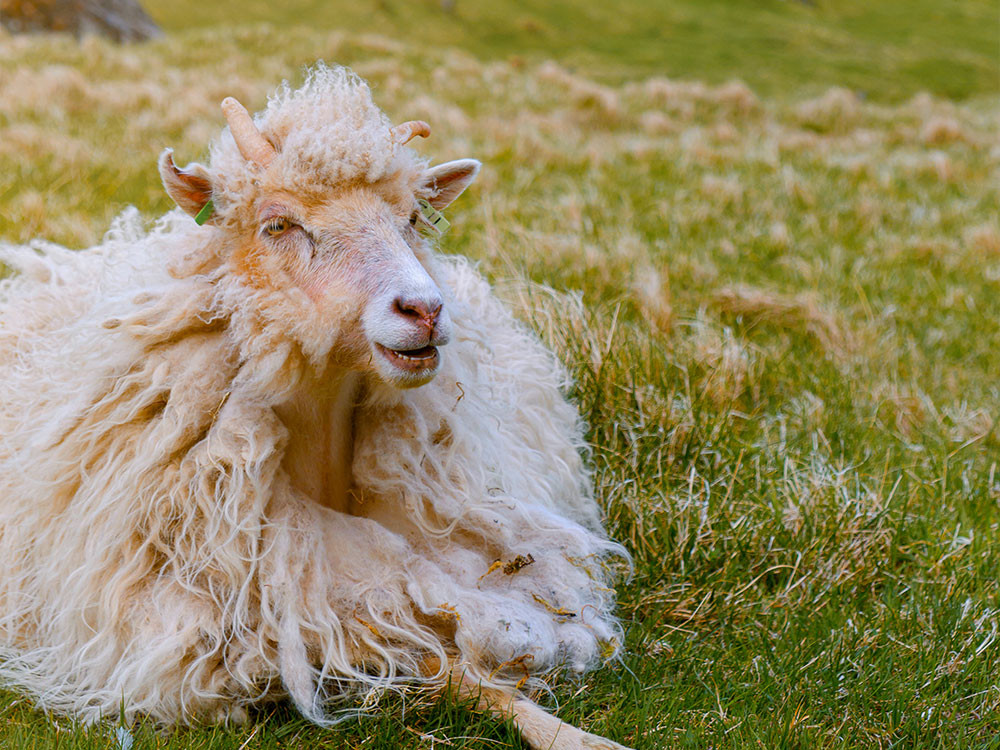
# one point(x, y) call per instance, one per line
point(156, 556)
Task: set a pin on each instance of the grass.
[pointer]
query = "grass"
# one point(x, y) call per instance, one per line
point(780, 303)
point(890, 49)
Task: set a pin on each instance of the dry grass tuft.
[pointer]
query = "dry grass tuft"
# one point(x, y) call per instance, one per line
point(736, 97)
point(652, 291)
point(904, 409)
point(836, 111)
point(967, 424)
point(798, 312)
point(583, 92)
point(721, 190)
point(657, 123)
point(942, 130)
point(730, 365)
point(983, 239)
point(779, 236)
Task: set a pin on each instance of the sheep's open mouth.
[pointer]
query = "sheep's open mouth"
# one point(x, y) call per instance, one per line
point(424, 358)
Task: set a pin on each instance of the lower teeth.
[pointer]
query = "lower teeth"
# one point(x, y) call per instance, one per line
point(411, 358)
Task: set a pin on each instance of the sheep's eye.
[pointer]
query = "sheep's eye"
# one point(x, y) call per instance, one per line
point(413, 219)
point(277, 226)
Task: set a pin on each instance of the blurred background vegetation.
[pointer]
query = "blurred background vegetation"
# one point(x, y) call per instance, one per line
point(889, 49)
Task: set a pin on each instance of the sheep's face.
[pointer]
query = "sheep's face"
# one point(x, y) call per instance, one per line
point(358, 255)
point(345, 270)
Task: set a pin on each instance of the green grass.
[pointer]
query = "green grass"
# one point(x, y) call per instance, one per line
point(889, 50)
point(781, 309)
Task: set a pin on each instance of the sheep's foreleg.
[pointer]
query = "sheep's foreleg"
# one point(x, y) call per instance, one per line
point(540, 729)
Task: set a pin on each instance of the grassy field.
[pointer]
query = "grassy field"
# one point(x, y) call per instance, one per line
point(888, 50)
point(779, 299)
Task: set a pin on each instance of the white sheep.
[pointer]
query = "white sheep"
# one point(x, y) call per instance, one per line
point(290, 452)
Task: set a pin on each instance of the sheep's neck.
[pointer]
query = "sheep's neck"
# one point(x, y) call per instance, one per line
point(320, 423)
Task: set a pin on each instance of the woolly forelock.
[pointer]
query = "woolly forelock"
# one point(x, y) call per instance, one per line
point(328, 132)
point(157, 557)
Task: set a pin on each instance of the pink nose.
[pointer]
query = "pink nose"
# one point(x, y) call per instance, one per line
point(421, 312)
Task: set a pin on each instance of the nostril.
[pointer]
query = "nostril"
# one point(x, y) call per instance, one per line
point(410, 308)
point(418, 310)
point(403, 307)
point(432, 315)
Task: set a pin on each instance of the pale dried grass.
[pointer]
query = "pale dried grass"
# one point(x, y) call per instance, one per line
point(940, 130)
point(651, 287)
point(983, 240)
point(801, 312)
point(583, 92)
point(836, 111)
point(729, 364)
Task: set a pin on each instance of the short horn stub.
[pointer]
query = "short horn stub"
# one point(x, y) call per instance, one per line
point(407, 131)
point(248, 139)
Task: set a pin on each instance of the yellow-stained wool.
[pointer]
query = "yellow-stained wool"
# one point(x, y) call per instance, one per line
point(166, 398)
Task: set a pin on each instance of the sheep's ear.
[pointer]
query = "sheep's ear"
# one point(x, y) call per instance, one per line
point(190, 187)
point(445, 182)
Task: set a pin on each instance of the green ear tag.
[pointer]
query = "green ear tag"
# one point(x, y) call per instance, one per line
point(206, 212)
point(433, 217)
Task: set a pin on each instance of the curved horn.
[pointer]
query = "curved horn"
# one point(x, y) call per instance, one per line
point(407, 131)
point(248, 139)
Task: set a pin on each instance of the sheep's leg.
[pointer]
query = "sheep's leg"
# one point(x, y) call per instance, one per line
point(319, 560)
point(540, 729)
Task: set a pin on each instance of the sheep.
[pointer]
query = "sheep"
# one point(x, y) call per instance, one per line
point(288, 451)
